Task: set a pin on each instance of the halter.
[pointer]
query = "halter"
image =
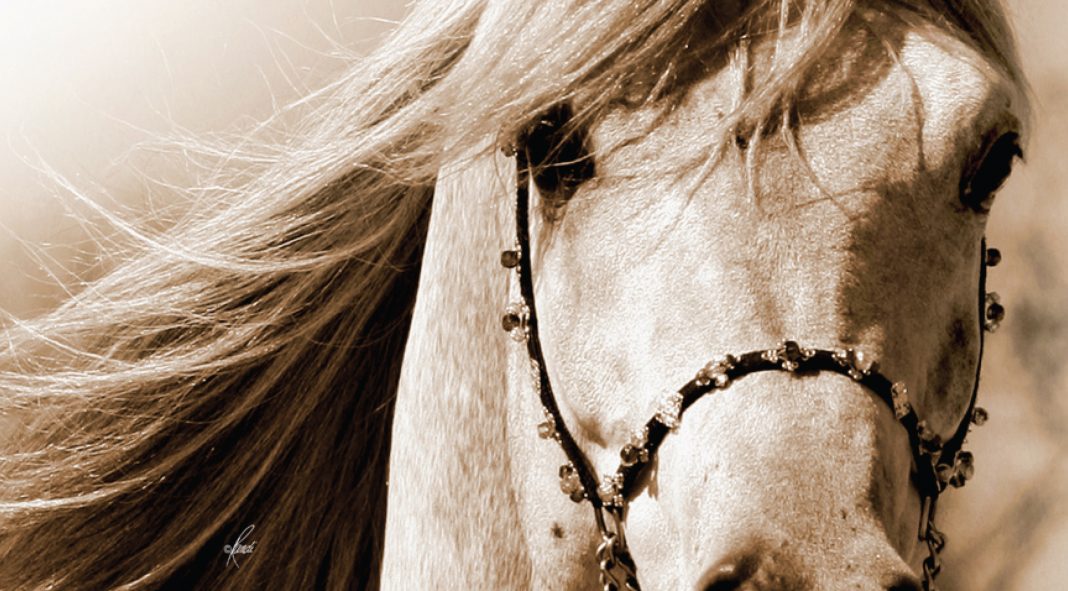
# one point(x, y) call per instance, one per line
point(939, 464)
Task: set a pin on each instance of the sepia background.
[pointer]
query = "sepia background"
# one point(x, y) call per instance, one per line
point(88, 90)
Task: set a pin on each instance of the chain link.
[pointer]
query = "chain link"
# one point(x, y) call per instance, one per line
point(936, 542)
point(618, 571)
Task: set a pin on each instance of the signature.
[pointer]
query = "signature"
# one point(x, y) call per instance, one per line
point(232, 550)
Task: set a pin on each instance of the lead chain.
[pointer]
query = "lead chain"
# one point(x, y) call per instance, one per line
point(618, 571)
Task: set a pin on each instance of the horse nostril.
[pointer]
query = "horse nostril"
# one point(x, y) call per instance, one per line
point(729, 574)
point(724, 577)
point(757, 569)
point(905, 583)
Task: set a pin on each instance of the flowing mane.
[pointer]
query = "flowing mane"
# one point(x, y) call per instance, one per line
point(241, 368)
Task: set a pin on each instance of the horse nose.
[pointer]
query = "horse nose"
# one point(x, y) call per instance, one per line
point(752, 569)
point(756, 570)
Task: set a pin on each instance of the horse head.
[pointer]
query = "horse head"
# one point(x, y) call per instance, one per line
point(663, 226)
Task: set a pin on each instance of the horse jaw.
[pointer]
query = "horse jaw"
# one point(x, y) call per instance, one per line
point(801, 483)
point(452, 519)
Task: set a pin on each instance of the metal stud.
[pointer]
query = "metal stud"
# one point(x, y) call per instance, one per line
point(855, 362)
point(788, 355)
point(965, 466)
point(635, 451)
point(923, 431)
point(547, 428)
point(510, 258)
point(946, 474)
point(516, 321)
point(510, 321)
point(960, 472)
point(899, 393)
point(980, 416)
point(993, 257)
point(930, 442)
point(669, 412)
point(995, 312)
point(570, 483)
point(862, 363)
point(715, 372)
point(610, 490)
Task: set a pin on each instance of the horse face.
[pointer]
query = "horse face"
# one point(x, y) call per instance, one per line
point(861, 237)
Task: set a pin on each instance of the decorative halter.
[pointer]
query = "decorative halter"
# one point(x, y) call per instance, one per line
point(939, 464)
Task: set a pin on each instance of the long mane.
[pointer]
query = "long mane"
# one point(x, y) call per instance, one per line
point(239, 370)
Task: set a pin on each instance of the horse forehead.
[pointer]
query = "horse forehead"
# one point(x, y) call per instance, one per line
point(882, 109)
point(962, 93)
point(932, 99)
point(924, 115)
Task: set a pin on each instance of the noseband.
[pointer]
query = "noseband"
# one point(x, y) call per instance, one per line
point(938, 464)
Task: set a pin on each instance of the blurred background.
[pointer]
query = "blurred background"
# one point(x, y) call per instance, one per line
point(84, 85)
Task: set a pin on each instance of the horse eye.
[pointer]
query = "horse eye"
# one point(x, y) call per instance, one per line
point(988, 172)
point(559, 154)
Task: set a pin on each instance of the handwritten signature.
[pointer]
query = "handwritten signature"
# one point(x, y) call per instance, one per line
point(231, 550)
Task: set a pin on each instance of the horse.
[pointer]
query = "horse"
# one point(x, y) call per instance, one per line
point(304, 382)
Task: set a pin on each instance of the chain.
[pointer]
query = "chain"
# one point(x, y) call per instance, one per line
point(618, 571)
point(936, 542)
